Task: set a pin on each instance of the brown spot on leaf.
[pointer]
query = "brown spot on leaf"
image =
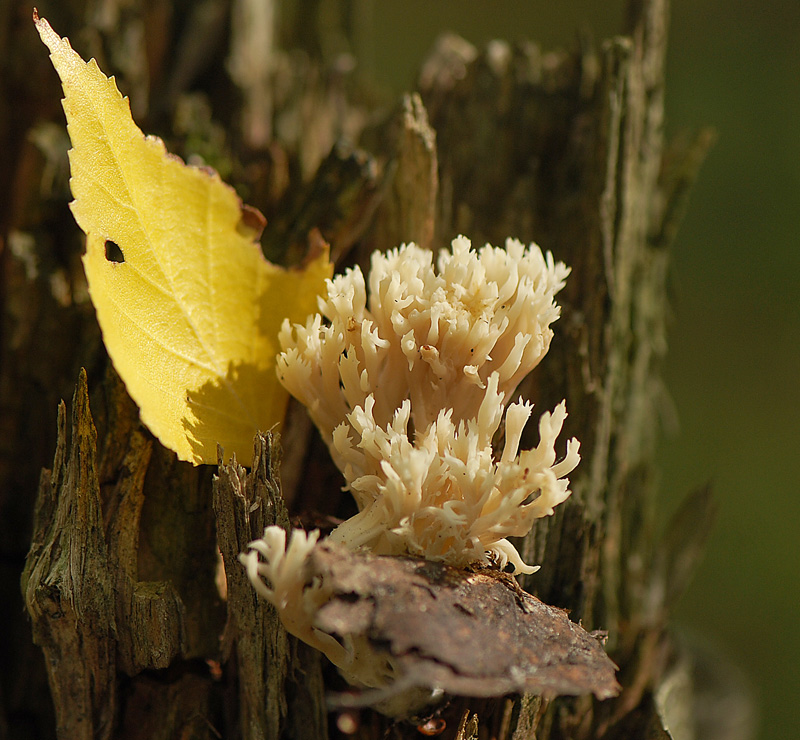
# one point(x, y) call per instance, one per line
point(251, 222)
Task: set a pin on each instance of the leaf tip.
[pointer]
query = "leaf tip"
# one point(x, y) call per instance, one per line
point(50, 38)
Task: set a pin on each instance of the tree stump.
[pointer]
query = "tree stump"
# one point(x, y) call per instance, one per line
point(121, 578)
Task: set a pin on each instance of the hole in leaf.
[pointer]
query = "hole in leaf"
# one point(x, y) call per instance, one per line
point(113, 252)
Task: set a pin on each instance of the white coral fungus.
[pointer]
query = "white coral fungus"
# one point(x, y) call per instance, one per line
point(291, 590)
point(281, 576)
point(408, 388)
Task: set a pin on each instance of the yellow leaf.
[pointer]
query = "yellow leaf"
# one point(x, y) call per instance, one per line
point(190, 317)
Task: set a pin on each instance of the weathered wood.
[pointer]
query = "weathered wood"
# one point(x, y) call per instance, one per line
point(408, 210)
point(269, 696)
point(106, 633)
point(67, 590)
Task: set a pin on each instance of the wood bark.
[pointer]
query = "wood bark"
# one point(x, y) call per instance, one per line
point(121, 578)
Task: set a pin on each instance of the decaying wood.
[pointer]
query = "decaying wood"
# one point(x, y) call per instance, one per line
point(469, 633)
point(409, 205)
point(244, 504)
point(67, 589)
point(562, 148)
point(94, 619)
point(273, 693)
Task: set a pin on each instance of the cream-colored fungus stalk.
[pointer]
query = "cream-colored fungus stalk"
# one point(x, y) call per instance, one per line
point(280, 574)
point(408, 386)
point(280, 577)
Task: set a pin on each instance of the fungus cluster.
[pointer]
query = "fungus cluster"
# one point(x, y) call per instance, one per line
point(408, 377)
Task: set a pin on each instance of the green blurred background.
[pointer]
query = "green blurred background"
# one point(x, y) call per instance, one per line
point(734, 360)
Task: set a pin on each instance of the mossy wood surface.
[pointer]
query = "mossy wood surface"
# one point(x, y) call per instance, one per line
point(562, 148)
